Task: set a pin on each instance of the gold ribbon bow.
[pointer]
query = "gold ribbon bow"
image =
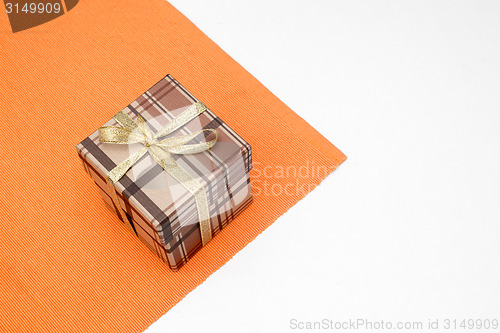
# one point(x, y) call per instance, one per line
point(161, 150)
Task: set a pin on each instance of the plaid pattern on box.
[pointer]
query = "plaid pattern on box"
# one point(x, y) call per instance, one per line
point(162, 212)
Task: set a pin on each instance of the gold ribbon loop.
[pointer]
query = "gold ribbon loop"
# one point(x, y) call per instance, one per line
point(139, 132)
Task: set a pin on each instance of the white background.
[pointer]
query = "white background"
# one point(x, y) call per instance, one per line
point(407, 228)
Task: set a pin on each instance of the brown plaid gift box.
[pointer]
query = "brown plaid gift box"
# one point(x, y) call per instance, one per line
point(159, 209)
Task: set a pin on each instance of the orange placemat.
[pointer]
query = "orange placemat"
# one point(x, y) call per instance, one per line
point(66, 263)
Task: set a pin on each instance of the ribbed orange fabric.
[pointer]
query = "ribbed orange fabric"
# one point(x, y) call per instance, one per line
point(66, 262)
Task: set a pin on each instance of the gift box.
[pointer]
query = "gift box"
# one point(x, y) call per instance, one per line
point(171, 170)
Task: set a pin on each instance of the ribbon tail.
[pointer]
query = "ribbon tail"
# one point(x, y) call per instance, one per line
point(167, 162)
point(118, 207)
point(200, 196)
point(121, 169)
point(115, 175)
